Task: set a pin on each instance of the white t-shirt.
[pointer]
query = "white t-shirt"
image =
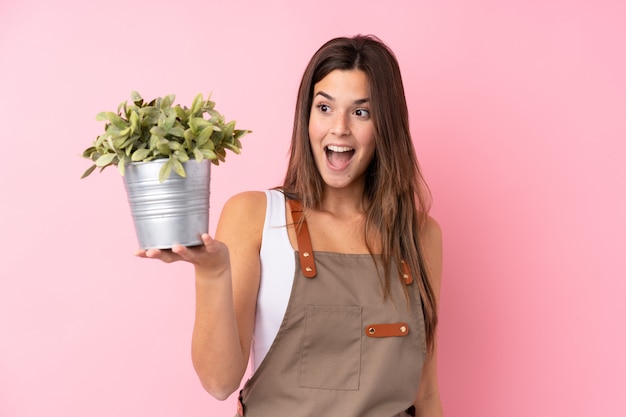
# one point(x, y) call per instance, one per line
point(277, 273)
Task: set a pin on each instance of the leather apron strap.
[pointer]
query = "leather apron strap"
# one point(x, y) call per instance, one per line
point(305, 249)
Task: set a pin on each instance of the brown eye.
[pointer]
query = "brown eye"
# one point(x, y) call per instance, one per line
point(323, 108)
point(362, 113)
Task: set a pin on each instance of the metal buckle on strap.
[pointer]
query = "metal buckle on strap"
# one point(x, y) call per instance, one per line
point(406, 273)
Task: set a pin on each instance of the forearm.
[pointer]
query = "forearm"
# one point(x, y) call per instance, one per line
point(429, 406)
point(217, 354)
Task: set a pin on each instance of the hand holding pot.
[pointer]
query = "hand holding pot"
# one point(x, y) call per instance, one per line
point(212, 257)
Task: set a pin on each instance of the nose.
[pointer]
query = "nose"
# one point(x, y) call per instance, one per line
point(340, 125)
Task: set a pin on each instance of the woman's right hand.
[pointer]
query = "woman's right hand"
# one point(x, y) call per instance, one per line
point(212, 256)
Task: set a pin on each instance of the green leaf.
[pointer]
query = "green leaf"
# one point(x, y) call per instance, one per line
point(128, 144)
point(232, 147)
point(205, 135)
point(163, 147)
point(153, 142)
point(178, 167)
point(108, 144)
point(196, 106)
point(149, 116)
point(198, 123)
point(98, 143)
point(115, 132)
point(136, 98)
point(189, 134)
point(167, 101)
point(118, 142)
point(181, 155)
point(167, 119)
point(135, 123)
point(181, 113)
point(228, 130)
point(240, 133)
point(158, 131)
point(105, 159)
point(125, 131)
point(177, 131)
point(88, 152)
point(209, 154)
point(216, 116)
point(114, 118)
point(208, 104)
point(121, 165)
point(165, 171)
point(122, 108)
point(88, 171)
point(174, 145)
point(197, 153)
point(217, 137)
point(140, 155)
point(189, 137)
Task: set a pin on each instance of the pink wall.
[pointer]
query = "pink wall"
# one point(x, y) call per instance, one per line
point(519, 117)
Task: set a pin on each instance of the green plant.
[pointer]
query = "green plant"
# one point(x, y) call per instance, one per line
point(143, 131)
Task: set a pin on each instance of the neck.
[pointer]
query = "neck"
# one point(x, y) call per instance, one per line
point(343, 201)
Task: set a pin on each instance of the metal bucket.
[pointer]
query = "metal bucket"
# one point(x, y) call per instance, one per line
point(175, 211)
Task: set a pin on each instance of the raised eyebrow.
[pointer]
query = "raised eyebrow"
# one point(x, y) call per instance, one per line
point(331, 98)
point(325, 95)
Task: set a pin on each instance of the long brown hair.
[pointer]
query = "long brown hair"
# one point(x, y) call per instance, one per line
point(398, 198)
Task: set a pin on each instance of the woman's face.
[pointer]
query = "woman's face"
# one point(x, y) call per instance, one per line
point(341, 129)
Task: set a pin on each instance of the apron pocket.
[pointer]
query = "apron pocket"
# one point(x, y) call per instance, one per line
point(331, 347)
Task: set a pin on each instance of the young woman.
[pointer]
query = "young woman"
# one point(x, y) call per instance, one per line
point(330, 282)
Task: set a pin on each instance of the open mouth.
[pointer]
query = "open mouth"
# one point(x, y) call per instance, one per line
point(338, 156)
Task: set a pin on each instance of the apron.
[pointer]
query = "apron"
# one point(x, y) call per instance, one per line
point(341, 350)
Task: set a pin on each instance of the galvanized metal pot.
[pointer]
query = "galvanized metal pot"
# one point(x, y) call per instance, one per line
point(175, 211)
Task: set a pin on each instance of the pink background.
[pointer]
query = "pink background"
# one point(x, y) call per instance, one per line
point(518, 111)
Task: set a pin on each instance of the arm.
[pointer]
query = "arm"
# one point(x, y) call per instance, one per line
point(428, 401)
point(227, 274)
point(225, 309)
